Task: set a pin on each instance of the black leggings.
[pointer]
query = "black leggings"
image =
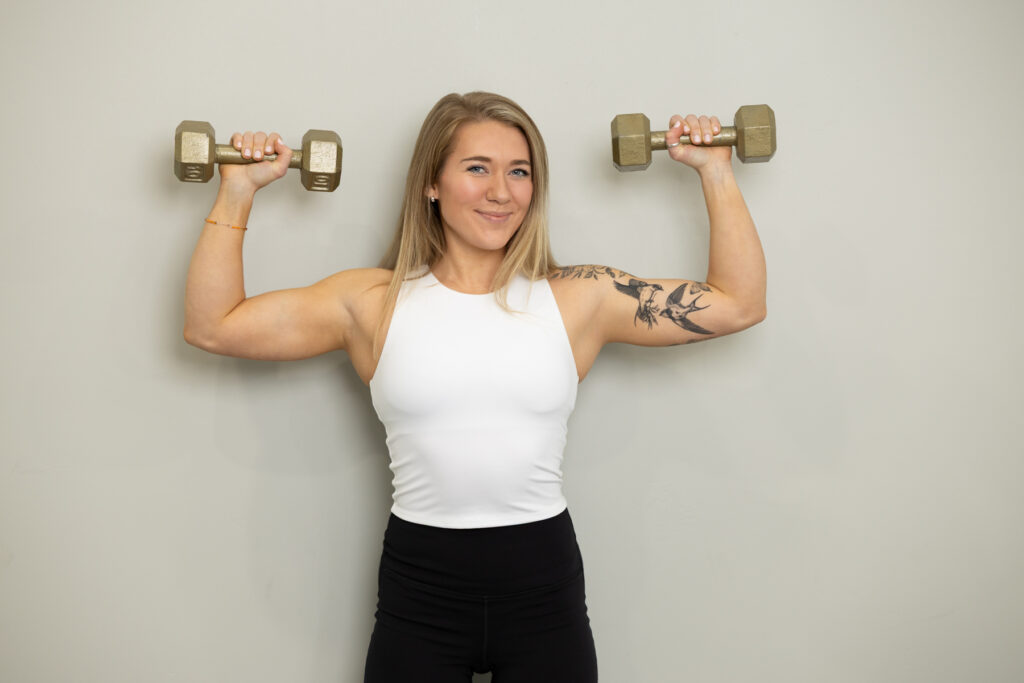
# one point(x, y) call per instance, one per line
point(509, 600)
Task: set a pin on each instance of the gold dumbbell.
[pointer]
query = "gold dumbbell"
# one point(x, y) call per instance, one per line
point(753, 136)
point(195, 153)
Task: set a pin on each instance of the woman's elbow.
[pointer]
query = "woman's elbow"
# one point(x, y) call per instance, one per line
point(195, 339)
point(759, 314)
point(750, 316)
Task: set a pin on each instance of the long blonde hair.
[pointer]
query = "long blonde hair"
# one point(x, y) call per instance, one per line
point(419, 239)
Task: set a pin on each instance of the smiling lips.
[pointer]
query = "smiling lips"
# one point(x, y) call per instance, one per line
point(494, 216)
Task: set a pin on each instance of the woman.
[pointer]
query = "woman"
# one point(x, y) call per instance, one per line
point(473, 341)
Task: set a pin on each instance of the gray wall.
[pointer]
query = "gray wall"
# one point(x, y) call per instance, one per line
point(833, 495)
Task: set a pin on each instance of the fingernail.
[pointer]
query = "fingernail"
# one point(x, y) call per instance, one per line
point(707, 137)
point(257, 154)
point(247, 152)
point(676, 124)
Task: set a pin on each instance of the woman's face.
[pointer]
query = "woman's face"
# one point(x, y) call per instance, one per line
point(485, 186)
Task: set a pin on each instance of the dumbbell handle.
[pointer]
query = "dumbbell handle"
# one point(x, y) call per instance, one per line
point(727, 138)
point(226, 154)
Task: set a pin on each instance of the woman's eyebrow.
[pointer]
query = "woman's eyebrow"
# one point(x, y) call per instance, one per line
point(515, 162)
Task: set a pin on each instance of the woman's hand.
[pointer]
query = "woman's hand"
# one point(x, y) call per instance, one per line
point(251, 177)
point(698, 154)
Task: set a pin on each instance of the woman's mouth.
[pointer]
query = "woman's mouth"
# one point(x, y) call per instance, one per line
point(494, 216)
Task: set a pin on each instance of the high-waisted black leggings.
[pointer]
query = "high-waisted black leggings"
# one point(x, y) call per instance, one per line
point(509, 600)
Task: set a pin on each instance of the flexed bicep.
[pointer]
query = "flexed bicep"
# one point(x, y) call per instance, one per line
point(658, 312)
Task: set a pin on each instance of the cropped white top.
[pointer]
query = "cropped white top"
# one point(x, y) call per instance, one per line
point(475, 401)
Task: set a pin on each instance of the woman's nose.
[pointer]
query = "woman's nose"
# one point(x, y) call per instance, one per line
point(497, 190)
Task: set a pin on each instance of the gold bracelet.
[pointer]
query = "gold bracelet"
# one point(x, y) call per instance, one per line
point(227, 225)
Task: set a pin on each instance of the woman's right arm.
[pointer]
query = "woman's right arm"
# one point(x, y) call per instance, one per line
point(282, 325)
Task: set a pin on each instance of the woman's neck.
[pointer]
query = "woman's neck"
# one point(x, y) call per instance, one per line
point(469, 274)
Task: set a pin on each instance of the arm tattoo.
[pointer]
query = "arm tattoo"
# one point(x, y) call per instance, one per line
point(587, 272)
point(676, 310)
point(647, 310)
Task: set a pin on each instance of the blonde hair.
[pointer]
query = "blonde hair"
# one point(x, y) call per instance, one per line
point(419, 239)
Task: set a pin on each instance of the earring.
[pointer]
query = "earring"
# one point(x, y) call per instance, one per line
point(433, 200)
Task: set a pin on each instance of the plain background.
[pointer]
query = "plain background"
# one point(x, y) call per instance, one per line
point(833, 495)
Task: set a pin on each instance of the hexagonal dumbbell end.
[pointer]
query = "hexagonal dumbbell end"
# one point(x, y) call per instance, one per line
point(631, 142)
point(321, 160)
point(194, 151)
point(755, 133)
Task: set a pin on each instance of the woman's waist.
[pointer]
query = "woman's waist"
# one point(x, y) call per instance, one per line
point(493, 561)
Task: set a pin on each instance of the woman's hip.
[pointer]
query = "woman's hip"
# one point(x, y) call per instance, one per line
point(491, 561)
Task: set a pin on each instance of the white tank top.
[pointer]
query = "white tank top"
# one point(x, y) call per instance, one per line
point(475, 401)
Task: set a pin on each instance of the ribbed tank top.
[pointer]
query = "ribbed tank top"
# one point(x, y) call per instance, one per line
point(475, 401)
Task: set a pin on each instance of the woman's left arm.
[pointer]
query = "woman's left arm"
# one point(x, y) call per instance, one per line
point(666, 312)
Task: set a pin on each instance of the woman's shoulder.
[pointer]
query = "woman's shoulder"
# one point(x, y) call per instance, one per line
point(588, 273)
point(359, 290)
point(582, 278)
point(579, 288)
point(356, 280)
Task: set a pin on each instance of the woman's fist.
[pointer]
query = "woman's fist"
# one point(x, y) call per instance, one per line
point(257, 146)
point(700, 130)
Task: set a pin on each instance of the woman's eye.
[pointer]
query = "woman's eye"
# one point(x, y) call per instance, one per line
point(521, 172)
point(476, 169)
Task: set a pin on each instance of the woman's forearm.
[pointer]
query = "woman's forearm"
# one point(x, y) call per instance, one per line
point(215, 282)
point(736, 263)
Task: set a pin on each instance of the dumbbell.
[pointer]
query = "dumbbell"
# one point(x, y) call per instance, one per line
point(195, 154)
point(753, 135)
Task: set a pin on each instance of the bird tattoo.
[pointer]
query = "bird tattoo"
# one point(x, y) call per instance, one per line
point(676, 311)
point(644, 294)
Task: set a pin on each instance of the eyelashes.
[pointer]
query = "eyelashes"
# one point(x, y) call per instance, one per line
point(476, 169)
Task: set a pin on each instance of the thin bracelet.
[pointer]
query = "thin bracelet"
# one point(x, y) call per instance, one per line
point(227, 225)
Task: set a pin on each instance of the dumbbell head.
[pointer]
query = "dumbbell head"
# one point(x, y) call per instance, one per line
point(753, 135)
point(195, 154)
point(321, 160)
point(631, 142)
point(194, 151)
